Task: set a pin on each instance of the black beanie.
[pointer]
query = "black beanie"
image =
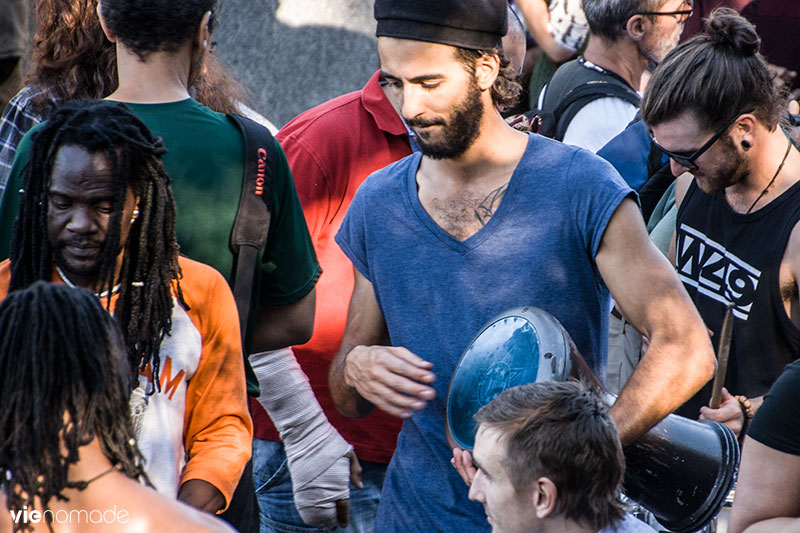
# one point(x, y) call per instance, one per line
point(476, 24)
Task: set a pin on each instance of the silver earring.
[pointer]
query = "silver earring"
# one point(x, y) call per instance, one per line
point(135, 214)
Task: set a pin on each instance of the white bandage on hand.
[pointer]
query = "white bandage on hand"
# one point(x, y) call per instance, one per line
point(317, 454)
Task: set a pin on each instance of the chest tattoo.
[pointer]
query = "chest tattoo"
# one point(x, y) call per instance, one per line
point(489, 205)
point(465, 214)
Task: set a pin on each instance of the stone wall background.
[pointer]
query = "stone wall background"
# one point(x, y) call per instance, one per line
point(294, 54)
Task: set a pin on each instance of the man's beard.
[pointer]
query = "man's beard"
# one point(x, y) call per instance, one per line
point(656, 54)
point(87, 269)
point(457, 132)
point(733, 168)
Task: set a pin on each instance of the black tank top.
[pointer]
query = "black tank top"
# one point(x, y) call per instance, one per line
point(726, 257)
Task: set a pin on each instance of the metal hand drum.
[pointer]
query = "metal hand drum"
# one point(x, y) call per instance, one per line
point(681, 470)
point(525, 345)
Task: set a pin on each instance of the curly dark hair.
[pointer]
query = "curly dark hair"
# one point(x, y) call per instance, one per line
point(150, 256)
point(506, 89)
point(72, 58)
point(64, 381)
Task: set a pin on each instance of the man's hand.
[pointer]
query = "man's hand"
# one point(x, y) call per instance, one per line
point(202, 494)
point(355, 470)
point(391, 378)
point(315, 501)
point(366, 373)
point(343, 506)
point(728, 413)
point(462, 462)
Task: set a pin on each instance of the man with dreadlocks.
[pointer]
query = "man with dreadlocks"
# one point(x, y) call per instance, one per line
point(68, 459)
point(96, 211)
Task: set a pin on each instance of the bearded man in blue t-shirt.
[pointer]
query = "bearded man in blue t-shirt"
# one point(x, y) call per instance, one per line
point(484, 219)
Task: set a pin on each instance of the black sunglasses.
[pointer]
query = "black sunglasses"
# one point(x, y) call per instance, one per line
point(683, 12)
point(687, 159)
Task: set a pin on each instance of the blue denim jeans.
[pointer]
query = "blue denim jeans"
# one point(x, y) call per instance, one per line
point(276, 499)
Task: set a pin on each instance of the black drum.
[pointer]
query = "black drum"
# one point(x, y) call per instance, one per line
point(681, 470)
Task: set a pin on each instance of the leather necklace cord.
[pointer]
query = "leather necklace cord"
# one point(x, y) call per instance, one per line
point(780, 167)
point(81, 485)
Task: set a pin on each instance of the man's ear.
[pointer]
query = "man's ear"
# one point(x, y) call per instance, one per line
point(203, 36)
point(744, 130)
point(544, 497)
point(487, 68)
point(636, 27)
point(103, 25)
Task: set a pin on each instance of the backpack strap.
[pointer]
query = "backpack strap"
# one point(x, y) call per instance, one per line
point(585, 93)
point(251, 227)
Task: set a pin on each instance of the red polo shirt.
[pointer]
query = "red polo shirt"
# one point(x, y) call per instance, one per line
point(331, 149)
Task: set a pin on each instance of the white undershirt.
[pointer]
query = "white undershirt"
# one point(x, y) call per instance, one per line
point(598, 122)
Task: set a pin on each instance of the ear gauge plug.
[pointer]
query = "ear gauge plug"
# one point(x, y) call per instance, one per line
point(746, 145)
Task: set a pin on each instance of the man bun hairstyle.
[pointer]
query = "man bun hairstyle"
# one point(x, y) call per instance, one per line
point(716, 75)
point(147, 26)
point(728, 29)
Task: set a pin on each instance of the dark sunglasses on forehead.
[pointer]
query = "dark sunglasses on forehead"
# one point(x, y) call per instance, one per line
point(679, 13)
point(687, 159)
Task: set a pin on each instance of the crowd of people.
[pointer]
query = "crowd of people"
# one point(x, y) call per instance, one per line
point(198, 318)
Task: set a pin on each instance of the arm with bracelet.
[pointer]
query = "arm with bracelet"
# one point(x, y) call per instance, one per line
point(734, 411)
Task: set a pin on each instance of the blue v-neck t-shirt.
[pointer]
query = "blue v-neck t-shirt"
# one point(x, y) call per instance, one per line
point(436, 292)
